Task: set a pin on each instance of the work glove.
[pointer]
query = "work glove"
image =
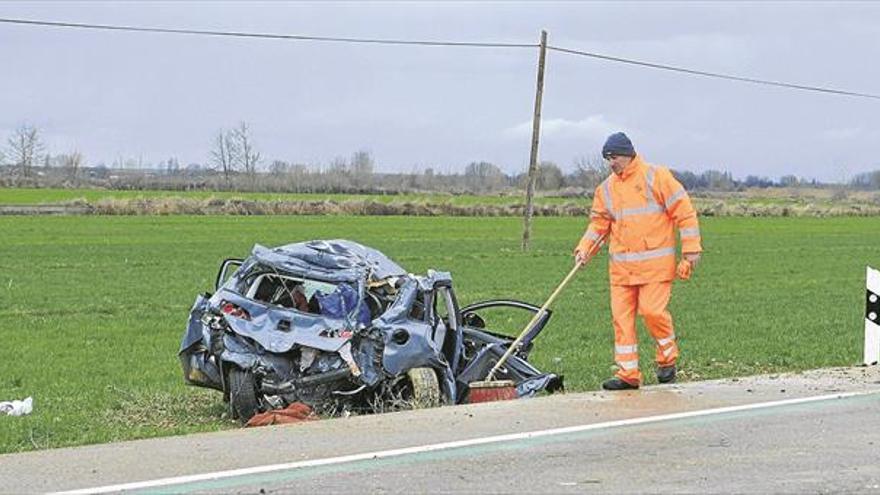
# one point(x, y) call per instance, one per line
point(686, 266)
point(683, 270)
point(582, 251)
point(694, 258)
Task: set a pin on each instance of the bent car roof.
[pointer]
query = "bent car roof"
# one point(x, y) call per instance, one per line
point(345, 260)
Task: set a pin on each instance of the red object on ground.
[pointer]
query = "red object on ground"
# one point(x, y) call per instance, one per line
point(491, 391)
point(294, 413)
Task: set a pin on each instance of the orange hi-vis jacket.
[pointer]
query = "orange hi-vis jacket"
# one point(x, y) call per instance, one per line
point(639, 211)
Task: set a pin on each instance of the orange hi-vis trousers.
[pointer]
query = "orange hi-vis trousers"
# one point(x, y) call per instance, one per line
point(650, 301)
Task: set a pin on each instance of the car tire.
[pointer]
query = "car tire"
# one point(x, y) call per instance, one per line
point(425, 388)
point(243, 394)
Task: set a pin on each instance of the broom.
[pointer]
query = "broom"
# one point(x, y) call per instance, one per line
point(490, 390)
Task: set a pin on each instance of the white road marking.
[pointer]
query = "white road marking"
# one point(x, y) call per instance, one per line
point(381, 454)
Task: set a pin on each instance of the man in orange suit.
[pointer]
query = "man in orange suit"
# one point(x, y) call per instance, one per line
point(637, 210)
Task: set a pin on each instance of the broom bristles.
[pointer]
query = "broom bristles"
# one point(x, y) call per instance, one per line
point(491, 391)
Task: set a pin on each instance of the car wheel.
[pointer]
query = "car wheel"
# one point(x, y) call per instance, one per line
point(425, 388)
point(243, 394)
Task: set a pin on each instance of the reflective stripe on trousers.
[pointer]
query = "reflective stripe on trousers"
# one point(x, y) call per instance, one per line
point(626, 349)
point(629, 365)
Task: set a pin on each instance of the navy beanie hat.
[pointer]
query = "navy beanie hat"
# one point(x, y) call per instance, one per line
point(618, 144)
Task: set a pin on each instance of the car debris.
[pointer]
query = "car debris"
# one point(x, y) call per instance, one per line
point(17, 407)
point(293, 413)
point(339, 326)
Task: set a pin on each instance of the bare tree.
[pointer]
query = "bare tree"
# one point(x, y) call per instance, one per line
point(72, 162)
point(591, 171)
point(361, 167)
point(172, 166)
point(483, 176)
point(550, 176)
point(279, 167)
point(338, 166)
point(427, 179)
point(297, 176)
point(247, 157)
point(25, 148)
point(224, 154)
point(338, 174)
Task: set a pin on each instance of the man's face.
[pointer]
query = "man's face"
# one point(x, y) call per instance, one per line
point(618, 162)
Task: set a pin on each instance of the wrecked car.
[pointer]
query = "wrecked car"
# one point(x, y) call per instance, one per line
point(338, 323)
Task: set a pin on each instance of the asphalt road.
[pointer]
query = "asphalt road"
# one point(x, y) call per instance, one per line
point(815, 432)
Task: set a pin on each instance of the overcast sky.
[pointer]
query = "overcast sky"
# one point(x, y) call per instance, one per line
point(153, 96)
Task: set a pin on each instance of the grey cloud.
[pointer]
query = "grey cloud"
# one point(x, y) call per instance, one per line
point(131, 94)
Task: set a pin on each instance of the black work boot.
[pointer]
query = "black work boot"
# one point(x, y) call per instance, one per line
point(666, 374)
point(618, 384)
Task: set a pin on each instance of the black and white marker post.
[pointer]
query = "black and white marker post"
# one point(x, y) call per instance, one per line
point(872, 317)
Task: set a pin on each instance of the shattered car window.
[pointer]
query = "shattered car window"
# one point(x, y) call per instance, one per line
point(290, 292)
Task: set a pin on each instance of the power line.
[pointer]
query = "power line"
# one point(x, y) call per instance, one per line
point(712, 74)
point(386, 41)
point(239, 34)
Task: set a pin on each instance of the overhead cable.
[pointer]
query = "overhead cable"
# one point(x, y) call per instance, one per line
point(239, 34)
point(712, 74)
point(387, 41)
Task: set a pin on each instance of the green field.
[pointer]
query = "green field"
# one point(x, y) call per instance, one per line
point(25, 196)
point(92, 308)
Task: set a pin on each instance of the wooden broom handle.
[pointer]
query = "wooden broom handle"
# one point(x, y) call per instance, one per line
point(510, 350)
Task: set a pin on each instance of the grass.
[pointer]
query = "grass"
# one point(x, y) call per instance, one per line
point(29, 196)
point(92, 308)
point(773, 202)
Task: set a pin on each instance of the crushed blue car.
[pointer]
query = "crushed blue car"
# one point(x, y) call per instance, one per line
point(335, 323)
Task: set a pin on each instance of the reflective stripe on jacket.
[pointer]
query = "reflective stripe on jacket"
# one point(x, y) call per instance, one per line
point(639, 211)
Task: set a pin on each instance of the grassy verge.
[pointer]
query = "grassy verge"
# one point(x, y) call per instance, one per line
point(750, 203)
point(24, 196)
point(92, 308)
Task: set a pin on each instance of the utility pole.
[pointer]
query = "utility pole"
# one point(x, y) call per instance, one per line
point(536, 132)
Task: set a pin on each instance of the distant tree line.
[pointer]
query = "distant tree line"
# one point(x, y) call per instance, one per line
point(234, 163)
point(867, 180)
